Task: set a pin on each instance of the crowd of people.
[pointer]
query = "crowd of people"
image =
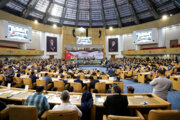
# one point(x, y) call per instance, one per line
point(116, 104)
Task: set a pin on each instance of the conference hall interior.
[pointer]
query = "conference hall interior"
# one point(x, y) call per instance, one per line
point(89, 59)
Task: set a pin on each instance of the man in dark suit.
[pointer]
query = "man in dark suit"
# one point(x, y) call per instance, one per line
point(33, 77)
point(79, 81)
point(116, 104)
point(51, 46)
point(113, 47)
point(92, 82)
point(111, 72)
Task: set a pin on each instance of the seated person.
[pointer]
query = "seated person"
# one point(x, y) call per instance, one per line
point(92, 82)
point(86, 105)
point(18, 75)
point(117, 80)
point(66, 105)
point(47, 78)
point(111, 72)
point(62, 79)
point(116, 104)
point(9, 74)
point(33, 77)
point(2, 105)
point(38, 100)
point(79, 81)
point(130, 89)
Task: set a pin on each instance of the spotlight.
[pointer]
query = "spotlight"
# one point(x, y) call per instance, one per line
point(170, 15)
point(164, 17)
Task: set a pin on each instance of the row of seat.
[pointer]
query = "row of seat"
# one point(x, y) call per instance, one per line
point(101, 86)
point(20, 112)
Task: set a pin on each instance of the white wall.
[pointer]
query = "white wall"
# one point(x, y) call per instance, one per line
point(128, 42)
point(164, 36)
point(43, 42)
point(39, 43)
point(120, 46)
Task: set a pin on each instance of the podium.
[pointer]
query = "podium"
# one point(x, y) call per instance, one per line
point(113, 57)
point(51, 56)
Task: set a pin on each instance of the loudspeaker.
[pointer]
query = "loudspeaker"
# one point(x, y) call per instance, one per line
point(100, 33)
point(73, 32)
point(87, 32)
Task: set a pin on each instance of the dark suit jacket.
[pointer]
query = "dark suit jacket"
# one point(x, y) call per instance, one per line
point(33, 77)
point(92, 84)
point(116, 105)
point(2, 105)
point(111, 72)
point(79, 81)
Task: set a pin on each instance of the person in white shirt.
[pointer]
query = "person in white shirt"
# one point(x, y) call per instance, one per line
point(66, 105)
point(161, 85)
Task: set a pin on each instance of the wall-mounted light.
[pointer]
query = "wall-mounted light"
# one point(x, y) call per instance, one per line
point(164, 17)
point(110, 28)
point(36, 21)
point(54, 26)
point(81, 29)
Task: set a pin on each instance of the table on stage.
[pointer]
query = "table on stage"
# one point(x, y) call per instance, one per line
point(175, 81)
point(142, 76)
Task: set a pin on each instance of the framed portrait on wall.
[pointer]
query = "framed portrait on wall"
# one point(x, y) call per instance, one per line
point(51, 43)
point(113, 45)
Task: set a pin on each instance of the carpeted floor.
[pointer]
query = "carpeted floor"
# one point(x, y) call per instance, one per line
point(173, 96)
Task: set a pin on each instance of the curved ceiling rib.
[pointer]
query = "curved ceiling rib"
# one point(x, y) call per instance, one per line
point(91, 13)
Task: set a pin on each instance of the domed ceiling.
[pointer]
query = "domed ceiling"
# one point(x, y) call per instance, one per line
point(91, 13)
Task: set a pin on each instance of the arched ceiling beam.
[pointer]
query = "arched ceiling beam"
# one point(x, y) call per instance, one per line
point(48, 10)
point(29, 8)
point(152, 9)
point(77, 14)
point(136, 20)
point(63, 13)
point(117, 14)
point(103, 15)
point(3, 3)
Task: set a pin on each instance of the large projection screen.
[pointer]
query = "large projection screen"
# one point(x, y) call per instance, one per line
point(82, 40)
point(148, 36)
point(11, 31)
